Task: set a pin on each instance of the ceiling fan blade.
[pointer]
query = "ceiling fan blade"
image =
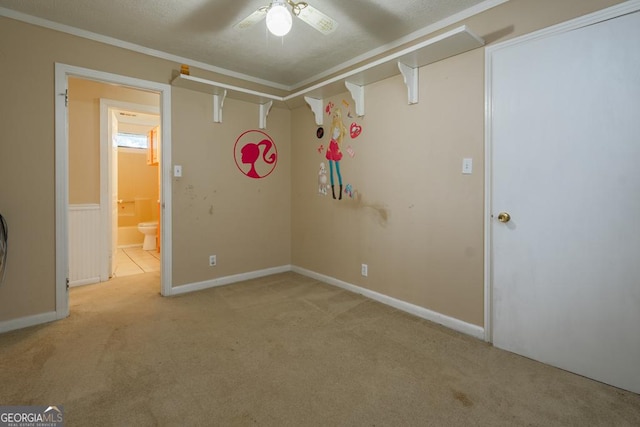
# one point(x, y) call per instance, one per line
point(317, 19)
point(252, 19)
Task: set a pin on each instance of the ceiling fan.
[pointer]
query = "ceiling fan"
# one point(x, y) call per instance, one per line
point(279, 19)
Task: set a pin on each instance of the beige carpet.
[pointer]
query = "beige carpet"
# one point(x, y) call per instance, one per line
point(284, 350)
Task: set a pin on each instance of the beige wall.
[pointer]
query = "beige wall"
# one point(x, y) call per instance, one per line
point(418, 221)
point(218, 210)
point(242, 210)
point(84, 133)
point(418, 224)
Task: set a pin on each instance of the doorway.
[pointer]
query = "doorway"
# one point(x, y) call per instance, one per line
point(62, 75)
point(131, 189)
point(563, 239)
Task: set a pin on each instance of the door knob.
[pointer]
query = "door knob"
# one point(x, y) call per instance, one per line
point(504, 217)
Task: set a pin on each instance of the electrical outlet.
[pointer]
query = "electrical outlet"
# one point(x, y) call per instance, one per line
point(365, 270)
point(212, 261)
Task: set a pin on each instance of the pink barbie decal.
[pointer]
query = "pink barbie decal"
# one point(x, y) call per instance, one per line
point(333, 153)
point(255, 154)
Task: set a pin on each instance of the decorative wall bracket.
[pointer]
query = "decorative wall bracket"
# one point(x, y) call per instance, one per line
point(218, 102)
point(316, 106)
point(264, 112)
point(410, 76)
point(357, 93)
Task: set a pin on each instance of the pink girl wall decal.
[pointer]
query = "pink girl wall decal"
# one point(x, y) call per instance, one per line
point(251, 152)
point(248, 152)
point(334, 154)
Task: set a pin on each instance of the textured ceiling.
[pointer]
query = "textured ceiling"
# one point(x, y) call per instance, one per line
point(202, 31)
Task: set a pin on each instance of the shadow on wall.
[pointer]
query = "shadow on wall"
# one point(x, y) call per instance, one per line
point(498, 35)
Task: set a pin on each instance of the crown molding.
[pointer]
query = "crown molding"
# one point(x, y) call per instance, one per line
point(40, 22)
point(412, 37)
point(33, 20)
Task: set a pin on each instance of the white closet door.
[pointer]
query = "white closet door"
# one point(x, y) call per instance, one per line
point(565, 155)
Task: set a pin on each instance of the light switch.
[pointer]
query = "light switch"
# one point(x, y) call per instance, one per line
point(467, 166)
point(177, 171)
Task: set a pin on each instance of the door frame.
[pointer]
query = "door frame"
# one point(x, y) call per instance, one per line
point(106, 171)
point(62, 74)
point(612, 12)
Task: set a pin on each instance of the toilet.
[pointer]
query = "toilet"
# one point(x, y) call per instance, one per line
point(149, 229)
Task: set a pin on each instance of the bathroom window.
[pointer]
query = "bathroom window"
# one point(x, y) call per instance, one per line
point(132, 140)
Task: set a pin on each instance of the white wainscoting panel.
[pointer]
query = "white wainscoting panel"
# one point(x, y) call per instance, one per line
point(84, 244)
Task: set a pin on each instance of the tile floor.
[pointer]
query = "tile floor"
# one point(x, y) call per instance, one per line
point(135, 260)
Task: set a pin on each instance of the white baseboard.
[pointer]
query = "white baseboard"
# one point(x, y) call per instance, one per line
point(89, 281)
point(227, 280)
point(433, 316)
point(449, 322)
point(25, 322)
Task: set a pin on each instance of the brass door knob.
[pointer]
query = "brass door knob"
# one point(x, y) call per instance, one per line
point(504, 217)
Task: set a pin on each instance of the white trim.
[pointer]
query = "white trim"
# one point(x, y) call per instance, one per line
point(624, 8)
point(62, 195)
point(467, 13)
point(25, 322)
point(62, 73)
point(221, 85)
point(441, 319)
point(227, 280)
point(488, 208)
point(29, 19)
point(433, 316)
point(421, 54)
point(380, 61)
point(103, 220)
point(436, 26)
point(612, 12)
point(166, 233)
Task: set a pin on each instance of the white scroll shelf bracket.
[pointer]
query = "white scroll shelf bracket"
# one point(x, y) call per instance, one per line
point(316, 106)
point(218, 102)
point(264, 112)
point(410, 76)
point(357, 93)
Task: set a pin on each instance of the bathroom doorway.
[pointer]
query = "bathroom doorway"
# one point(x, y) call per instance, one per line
point(134, 139)
point(113, 205)
point(93, 163)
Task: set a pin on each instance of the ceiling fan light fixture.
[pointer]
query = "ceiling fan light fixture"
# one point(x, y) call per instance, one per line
point(279, 19)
